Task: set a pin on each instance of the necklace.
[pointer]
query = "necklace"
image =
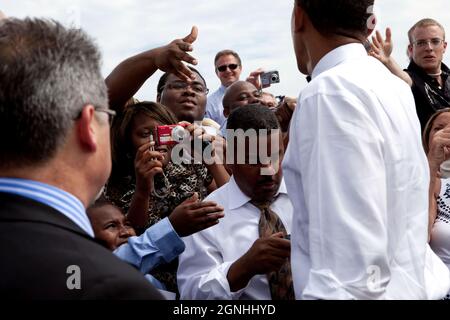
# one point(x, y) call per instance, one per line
point(435, 75)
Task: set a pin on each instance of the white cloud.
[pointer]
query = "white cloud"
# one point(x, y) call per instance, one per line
point(258, 30)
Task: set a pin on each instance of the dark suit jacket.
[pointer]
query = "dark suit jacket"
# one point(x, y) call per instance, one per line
point(39, 244)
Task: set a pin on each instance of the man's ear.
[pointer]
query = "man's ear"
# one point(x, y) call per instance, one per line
point(371, 24)
point(226, 112)
point(158, 97)
point(298, 18)
point(86, 130)
point(410, 51)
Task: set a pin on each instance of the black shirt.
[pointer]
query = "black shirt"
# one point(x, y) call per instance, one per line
point(428, 94)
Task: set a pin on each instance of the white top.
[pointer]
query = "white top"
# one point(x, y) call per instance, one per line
point(203, 266)
point(214, 106)
point(440, 234)
point(358, 178)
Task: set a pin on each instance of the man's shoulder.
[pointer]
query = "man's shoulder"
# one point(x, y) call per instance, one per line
point(51, 258)
point(220, 195)
point(350, 77)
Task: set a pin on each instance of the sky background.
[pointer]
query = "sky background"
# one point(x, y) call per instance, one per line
point(258, 30)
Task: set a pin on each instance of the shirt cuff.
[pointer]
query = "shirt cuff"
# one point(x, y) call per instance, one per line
point(167, 240)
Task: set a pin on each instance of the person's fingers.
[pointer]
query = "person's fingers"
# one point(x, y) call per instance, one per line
point(256, 73)
point(183, 56)
point(184, 46)
point(190, 38)
point(146, 167)
point(193, 199)
point(376, 42)
point(204, 211)
point(388, 35)
point(146, 146)
point(203, 204)
point(183, 72)
point(153, 171)
point(379, 37)
point(277, 235)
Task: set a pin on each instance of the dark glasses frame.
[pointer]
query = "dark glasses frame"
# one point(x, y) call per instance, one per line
point(231, 66)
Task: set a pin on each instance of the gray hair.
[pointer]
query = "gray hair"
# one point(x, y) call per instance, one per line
point(47, 75)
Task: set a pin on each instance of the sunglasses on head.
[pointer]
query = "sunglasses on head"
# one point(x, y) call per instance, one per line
point(223, 68)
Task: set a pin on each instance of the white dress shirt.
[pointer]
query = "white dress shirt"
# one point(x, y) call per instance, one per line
point(203, 266)
point(358, 179)
point(214, 106)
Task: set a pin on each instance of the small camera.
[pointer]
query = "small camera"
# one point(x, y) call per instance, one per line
point(170, 135)
point(269, 78)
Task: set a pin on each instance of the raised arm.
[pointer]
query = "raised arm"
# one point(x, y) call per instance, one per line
point(438, 153)
point(129, 76)
point(382, 50)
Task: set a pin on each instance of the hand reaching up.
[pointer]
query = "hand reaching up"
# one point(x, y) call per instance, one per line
point(170, 58)
point(382, 48)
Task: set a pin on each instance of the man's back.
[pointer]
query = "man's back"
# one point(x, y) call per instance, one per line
point(356, 158)
point(46, 256)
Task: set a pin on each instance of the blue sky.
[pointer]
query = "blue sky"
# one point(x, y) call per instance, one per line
point(258, 30)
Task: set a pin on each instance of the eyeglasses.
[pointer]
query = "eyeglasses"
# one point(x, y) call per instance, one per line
point(111, 113)
point(232, 67)
point(435, 42)
point(198, 88)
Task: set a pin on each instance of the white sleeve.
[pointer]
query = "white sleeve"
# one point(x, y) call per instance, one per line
point(202, 273)
point(343, 179)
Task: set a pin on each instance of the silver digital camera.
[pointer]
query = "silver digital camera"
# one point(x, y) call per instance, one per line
point(269, 78)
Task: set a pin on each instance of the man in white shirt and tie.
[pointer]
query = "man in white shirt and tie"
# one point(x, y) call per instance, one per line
point(245, 256)
point(355, 168)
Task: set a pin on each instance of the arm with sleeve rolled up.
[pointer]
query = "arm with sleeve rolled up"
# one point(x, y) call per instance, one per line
point(344, 182)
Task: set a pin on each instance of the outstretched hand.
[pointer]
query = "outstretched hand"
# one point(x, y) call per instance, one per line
point(382, 48)
point(170, 58)
point(192, 216)
point(439, 148)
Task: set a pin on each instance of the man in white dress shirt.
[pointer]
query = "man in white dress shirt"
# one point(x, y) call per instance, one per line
point(228, 66)
point(230, 260)
point(355, 168)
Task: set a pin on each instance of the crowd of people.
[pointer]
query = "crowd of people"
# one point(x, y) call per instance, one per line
point(341, 194)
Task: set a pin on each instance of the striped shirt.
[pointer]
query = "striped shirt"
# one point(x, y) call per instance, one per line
point(53, 197)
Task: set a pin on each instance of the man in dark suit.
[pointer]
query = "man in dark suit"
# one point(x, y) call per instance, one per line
point(54, 160)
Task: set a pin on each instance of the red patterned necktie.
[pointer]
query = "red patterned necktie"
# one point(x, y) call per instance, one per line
point(280, 282)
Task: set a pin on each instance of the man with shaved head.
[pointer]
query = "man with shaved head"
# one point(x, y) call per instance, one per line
point(242, 93)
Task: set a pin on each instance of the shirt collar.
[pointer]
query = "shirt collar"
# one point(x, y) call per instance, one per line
point(337, 56)
point(413, 67)
point(239, 199)
point(58, 199)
